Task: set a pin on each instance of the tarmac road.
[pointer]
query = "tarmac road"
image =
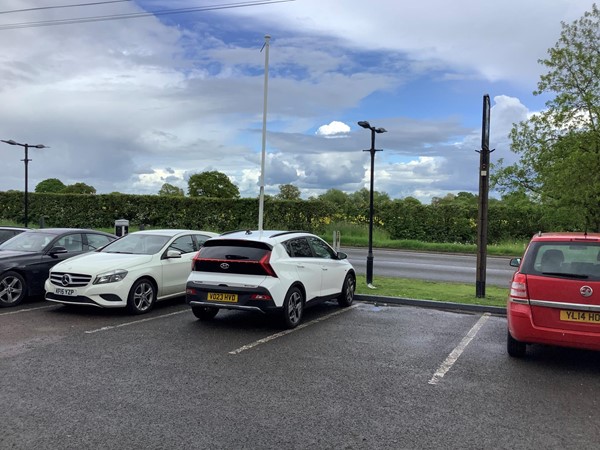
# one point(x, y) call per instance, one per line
point(366, 377)
point(430, 266)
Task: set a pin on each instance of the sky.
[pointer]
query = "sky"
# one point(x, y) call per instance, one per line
point(130, 104)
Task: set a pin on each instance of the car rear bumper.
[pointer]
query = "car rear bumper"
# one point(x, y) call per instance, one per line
point(522, 328)
point(246, 301)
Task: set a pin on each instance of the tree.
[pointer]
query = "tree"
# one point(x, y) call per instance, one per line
point(50, 186)
point(212, 184)
point(559, 148)
point(78, 188)
point(335, 196)
point(169, 189)
point(288, 192)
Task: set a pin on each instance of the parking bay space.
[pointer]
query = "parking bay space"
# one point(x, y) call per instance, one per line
point(359, 377)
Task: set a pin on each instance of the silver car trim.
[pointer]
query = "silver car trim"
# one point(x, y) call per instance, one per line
point(520, 301)
point(562, 305)
point(66, 302)
point(224, 306)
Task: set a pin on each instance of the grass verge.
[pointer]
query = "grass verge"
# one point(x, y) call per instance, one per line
point(432, 290)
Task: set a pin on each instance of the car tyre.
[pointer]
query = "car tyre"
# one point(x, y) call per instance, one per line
point(142, 296)
point(347, 296)
point(12, 289)
point(515, 348)
point(293, 308)
point(205, 313)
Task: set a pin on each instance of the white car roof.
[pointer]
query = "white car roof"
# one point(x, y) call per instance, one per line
point(174, 232)
point(268, 236)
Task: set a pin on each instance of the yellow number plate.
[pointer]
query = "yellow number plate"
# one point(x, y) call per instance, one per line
point(217, 297)
point(580, 316)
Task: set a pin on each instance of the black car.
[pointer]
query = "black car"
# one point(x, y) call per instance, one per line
point(26, 259)
point(7, 232)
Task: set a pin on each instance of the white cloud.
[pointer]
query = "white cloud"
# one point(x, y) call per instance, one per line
point(127, 105)
point(334, 129)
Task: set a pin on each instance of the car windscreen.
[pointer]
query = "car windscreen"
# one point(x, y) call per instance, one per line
point(137, 244)
point(28, 242)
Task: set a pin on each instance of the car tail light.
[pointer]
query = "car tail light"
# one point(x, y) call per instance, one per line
point(195, 258)
point(260, 297)
point(265, 263)
point(518, 287)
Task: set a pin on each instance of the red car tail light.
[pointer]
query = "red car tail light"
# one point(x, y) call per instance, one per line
point(518, 287)
point(266, 265)
point(260, 297)
point(195, 259)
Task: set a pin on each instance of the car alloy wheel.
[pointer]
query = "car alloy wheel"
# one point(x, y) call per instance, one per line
point(347, 296)
point(293, 308)
point(141, 297)
point(12, 289)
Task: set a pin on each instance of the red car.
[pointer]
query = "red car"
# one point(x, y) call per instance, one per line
point(555, 293)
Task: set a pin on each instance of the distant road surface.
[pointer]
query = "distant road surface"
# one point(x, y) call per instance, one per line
point(430, 266)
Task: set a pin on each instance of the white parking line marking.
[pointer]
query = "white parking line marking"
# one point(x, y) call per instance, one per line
point(126, 324)
point(27, 310)
point(286, 332)
point(454, 355)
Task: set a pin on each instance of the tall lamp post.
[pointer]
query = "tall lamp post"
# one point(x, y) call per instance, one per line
point(372, 150)
point(26, 161)
point(261, 195)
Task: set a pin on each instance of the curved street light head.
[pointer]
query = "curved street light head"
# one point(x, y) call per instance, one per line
point(367, 125)
point(25, 160)
point(12, 142)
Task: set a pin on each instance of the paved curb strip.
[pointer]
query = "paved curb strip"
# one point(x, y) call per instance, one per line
point(497, 310)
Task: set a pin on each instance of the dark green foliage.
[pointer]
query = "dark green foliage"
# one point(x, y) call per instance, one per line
point(559, 148)
point(288, 192)
point(211, 214)
point(450, 219)
point(50, 186)
point(169, 189)
point(79, 188)
point(213, 184)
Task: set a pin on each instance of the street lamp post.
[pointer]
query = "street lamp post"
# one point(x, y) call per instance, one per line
point(26, 161)
point(372, 150)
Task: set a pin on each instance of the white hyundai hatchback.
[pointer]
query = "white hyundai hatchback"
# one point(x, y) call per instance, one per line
point(134, 271)
point(281, 271)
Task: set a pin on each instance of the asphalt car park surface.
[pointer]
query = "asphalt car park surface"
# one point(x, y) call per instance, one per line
point(369, 376)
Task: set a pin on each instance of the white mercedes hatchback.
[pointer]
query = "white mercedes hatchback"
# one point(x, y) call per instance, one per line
point(134, 271)
point(268, 271)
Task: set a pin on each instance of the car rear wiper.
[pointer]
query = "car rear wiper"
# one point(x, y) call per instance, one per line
point(565, 274)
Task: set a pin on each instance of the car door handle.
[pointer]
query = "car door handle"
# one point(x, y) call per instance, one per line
point(300, 266)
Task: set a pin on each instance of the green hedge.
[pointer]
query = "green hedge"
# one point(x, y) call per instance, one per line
point(101, 211)
point(412, 220)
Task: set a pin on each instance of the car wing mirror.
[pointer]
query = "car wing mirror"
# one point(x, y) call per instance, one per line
point(56, 250)
point(173, 254)
point(342, 255)
point(515, 262)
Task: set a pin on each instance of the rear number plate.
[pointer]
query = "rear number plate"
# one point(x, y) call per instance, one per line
point(218, 297)
point(66, 292)
point(580, 316)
